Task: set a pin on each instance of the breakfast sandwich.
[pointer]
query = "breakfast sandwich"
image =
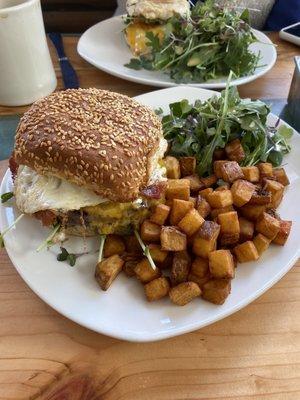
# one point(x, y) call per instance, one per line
point(89, 160)
point(145, 16)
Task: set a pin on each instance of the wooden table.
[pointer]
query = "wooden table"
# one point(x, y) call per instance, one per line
point(254, 354)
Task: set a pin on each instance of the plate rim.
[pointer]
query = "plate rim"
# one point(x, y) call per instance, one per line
point(166, 84)
point(152, 337)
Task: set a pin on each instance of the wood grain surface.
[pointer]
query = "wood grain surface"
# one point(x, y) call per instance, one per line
point(253, 354)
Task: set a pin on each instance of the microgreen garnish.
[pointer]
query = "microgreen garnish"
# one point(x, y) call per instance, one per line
point(200, 128)
point(145, 249)
point(101, 247)
point(48, 241)
point(6, 196)
point(206, 45)
point(8, 229)
point(66, 256)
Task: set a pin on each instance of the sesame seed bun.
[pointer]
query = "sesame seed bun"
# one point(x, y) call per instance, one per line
point(104, 141)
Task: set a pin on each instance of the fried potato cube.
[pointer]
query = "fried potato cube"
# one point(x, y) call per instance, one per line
point(130, 263)
point(206, 239)
point(260, 197)
point(231, 171)
point(172, 239)
point(209, 181)
point(245, 252)
point(193, 200)
point(200, 267)
point(252, 212)
point(195, 183)
point(265, 170)
point(168, 261)
point(276, 189)
point(114, 244)
point(229, 222)
point(169, 202)
point(216, 291)
point(132, 245)
point(191, 222)
point(178, 189)
point(205, 192)
point(283, 234)
point(158, 255)
point(173, 167)
point(157, 289)
point(234, 150)
point(107, 270)
point(218, 168)
point(203, 207)
point(261, 243)
point(180, 267)
point(199, 272)
point(219, 154)
point(202, 247)
point(200, 281)
point(246, 229)
point(230, 228)
point(160, 214)
point(220, 199)
point(184, 293)
point(221, 265)
point(187, 165)
point(179, 209)
point(216, 211)
point(226, 186)
point(281, 176)
point(209, 230)
point(242, 192)
point(150, 232)
point(144, 272)
point(251, 174)
point(267, 225)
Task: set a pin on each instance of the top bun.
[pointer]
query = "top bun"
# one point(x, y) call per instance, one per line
point(157, 9)
point(104, 141)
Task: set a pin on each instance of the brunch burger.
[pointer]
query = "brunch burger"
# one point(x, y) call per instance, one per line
point(89, 160)
point(145, 16)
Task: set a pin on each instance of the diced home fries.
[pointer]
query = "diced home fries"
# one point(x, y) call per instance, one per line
point(205, 226)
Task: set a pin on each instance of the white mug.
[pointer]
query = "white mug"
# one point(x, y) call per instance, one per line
point(26, 70)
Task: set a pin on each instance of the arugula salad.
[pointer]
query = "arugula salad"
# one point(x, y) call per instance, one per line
point(201, 128)
point(205, 46)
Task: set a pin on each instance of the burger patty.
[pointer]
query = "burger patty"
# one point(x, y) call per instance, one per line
point(106, 218)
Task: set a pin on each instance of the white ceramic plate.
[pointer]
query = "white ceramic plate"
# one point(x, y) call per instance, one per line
point(103, 45)
point(122, 311)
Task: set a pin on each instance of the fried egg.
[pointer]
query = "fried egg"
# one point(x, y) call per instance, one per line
point(35, 192)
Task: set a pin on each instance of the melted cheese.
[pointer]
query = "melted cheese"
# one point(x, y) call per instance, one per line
point(36, 192)
point(136, 36)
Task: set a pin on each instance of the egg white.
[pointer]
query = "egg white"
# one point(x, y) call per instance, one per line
point(35, 192)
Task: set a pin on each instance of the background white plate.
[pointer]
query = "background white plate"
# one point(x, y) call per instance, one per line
point(122, 311)
point(103, 45)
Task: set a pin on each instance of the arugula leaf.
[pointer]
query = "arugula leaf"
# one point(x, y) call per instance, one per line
point(6, 196)
point(285, 132)
point(134, 63)
point(66, 256)
point(63, 255)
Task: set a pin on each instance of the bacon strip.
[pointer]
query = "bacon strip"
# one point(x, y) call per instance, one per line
point(13, 166)
point(155, 190)
point(47, 217)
